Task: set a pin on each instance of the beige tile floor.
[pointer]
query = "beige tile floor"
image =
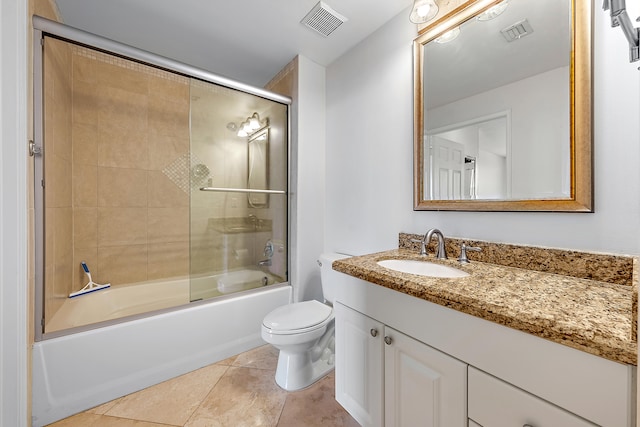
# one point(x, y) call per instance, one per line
point(236, 392)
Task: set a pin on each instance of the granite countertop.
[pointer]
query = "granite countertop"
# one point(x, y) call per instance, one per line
point(589, 315)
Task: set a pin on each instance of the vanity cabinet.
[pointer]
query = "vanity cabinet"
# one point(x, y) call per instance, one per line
point(384, 377)
point(464, 368)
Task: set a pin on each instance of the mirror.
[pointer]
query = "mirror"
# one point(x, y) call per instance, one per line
point(258, 168)
point(502, 108)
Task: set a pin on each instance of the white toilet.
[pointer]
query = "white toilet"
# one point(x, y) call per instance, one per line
point(304, 333)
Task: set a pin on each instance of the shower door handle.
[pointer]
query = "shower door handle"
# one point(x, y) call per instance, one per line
point(241, 190)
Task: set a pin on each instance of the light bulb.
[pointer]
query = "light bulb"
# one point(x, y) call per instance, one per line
point(254, 121)
point(423, 11)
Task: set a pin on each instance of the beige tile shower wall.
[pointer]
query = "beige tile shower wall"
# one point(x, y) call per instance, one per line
point(130, 123)
point(58, 215)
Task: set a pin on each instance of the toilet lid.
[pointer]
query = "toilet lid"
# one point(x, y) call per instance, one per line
point(297, 316)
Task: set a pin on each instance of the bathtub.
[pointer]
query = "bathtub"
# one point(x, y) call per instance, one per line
point(75, 372)
point(143, 297)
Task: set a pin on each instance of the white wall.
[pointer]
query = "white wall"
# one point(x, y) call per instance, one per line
point(369, 155)
point(13, 214)
point(308, 186)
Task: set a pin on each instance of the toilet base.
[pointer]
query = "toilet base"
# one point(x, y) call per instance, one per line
point(297, 371)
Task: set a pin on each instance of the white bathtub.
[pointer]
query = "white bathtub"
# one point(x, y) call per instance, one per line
point(136, 298)
point(78, 371)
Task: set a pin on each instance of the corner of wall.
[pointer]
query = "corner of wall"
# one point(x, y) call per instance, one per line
point(47, 9)
point(309, 191)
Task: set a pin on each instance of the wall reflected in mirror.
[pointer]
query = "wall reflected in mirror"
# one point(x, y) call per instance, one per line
point(495, 97)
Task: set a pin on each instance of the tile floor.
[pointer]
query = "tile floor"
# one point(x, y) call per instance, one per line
point(236, 392)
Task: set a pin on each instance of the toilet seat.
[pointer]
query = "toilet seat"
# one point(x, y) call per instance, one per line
point(297, 318)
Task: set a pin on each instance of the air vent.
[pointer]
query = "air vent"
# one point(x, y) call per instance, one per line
point(323, 19)
point(517, 31)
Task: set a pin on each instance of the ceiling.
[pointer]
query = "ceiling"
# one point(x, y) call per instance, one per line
point(247, 40)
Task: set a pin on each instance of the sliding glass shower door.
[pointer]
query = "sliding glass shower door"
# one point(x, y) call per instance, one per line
point(238, 179)
point(166, 187)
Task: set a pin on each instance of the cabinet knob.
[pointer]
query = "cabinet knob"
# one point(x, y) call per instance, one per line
point(374, 332)
point(388, 340)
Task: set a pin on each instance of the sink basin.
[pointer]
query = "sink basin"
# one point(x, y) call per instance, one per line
point(422, 268)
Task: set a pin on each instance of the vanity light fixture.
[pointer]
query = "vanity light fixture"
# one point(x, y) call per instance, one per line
point(254, 122)
point(251, 125)
point(423, 11)
point(493, 11)
point(449, 36)
point(242, 133)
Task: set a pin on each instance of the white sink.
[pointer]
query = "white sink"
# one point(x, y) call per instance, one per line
point(422, 268)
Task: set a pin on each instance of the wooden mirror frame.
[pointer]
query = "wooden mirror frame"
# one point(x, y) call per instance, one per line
point(581, 199)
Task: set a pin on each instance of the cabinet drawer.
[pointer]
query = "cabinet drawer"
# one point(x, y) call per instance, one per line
point(494, 403)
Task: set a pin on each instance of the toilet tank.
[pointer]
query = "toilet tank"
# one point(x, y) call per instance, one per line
point(330, 278)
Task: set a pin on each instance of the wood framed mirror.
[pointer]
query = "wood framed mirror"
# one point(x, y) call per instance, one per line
point(503, 108)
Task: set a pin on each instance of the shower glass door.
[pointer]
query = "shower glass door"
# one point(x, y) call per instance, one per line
point(167, 188)
point(238, 182)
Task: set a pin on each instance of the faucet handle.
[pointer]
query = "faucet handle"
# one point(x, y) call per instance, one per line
point(463, 253)
point(423, 245)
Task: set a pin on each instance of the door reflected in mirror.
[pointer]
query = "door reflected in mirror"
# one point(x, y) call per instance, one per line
point(470, 161)
point(503, 115)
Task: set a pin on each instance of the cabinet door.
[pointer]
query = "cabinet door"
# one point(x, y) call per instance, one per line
point(423, 386)
point(359, 365)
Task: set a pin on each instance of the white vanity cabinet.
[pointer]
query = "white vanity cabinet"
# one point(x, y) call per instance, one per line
point(435, 350)
point(383, 374)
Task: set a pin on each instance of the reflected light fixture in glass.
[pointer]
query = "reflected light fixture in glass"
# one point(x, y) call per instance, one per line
point(254, 122)
point(251, 125)
point(449, 35)
point(423, 11)
point(493, 11)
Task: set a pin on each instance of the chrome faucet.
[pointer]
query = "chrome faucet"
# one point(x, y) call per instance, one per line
point(265, 263)
point(441, 251)
point(268, 252)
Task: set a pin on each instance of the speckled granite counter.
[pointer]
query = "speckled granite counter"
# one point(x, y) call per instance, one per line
point(592, 316)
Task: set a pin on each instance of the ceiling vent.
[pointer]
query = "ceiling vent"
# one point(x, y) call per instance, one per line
point(517, 31)
point(323, 19)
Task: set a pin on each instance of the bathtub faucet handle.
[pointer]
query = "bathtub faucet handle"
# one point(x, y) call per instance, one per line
point(268, 252)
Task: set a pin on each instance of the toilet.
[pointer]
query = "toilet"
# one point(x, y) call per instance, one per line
point(304, 333)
